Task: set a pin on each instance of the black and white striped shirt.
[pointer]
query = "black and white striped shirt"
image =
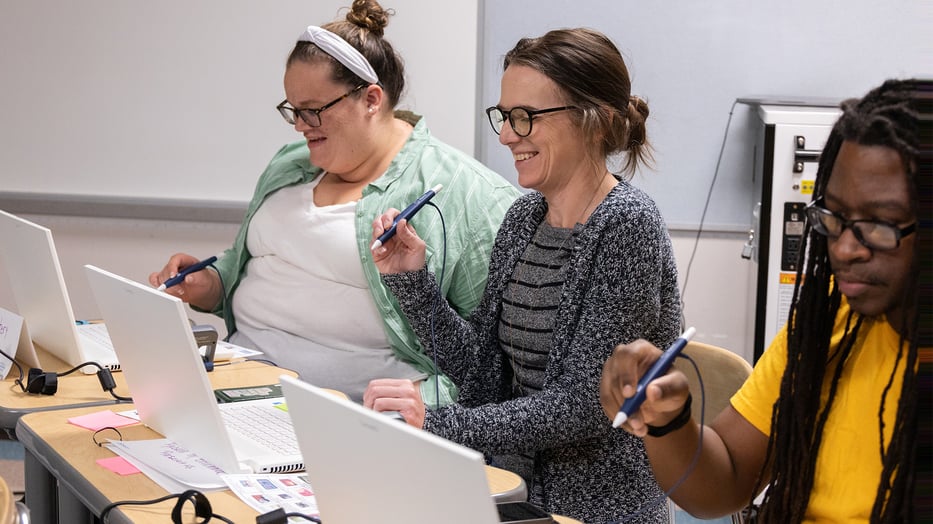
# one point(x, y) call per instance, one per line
point(529, 306)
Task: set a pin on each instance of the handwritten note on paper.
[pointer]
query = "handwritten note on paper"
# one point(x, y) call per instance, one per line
point(171, 460)
point(11, 325)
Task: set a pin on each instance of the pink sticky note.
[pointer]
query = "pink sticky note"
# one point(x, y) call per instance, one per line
point(101, 419)
point(118, 465)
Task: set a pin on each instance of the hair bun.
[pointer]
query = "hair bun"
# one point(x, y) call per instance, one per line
point(369, 15)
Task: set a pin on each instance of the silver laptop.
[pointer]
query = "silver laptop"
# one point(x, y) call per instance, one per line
point(35, 274)
point(168, 382)
point(367, 467)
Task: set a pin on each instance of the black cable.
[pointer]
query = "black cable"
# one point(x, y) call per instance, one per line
point(104, 376)
point(279, 516)
point(265, 361)
point(223, 297)
point(302, 515)
point(201, 504)
point(31, 386)
point(709, 195)
point(434, 304)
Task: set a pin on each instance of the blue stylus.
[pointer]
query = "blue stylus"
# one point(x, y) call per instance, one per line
point(406, 213)
point(193, 268)
point(659, 368)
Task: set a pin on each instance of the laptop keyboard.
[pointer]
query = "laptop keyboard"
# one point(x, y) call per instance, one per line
point(96, 332)
point(262, 424)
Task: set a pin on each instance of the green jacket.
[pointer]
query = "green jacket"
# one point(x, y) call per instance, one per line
point(473, 201)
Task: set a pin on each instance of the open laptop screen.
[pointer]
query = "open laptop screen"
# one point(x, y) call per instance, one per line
point(367, 467)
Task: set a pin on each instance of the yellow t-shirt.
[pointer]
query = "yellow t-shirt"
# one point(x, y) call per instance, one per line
point(848, 467)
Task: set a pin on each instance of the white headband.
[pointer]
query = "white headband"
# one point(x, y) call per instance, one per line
point(341, 50)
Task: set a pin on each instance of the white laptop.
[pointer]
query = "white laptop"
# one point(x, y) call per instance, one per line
point(35, 275)
point(366, 467)
point(170, 388)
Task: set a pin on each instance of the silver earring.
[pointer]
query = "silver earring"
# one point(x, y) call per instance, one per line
point(371, 109)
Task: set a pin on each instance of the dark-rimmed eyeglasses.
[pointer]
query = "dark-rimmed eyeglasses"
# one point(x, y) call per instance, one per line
point(312, 117)
point(873, 234)
point(519, 118)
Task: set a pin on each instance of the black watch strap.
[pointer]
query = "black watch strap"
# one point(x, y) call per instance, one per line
point(678, 422)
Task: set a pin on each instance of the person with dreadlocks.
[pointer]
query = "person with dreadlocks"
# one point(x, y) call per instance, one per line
point(828, 419)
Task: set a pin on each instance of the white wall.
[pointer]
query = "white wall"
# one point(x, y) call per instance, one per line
point(131, 248)
point(176, 98)
point(692, 59)
point(717, 294)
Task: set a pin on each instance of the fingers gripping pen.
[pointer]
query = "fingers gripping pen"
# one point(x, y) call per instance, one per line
point(658, 369)
point(193, 268)
point(406, 213)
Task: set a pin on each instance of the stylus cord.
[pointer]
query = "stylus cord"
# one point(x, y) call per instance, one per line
point(434, 304)
point(693, 462)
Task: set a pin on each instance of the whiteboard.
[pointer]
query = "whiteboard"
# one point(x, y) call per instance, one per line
point(691, 60)
point(175, 99)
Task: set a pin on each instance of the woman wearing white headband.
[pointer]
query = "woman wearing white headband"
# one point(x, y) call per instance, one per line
point(299, 283)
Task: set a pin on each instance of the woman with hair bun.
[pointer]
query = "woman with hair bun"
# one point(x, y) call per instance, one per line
point(299, 283)
point(580, 264)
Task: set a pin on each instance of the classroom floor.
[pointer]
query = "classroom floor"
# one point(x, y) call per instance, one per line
point(682, 517)
point(11, 466)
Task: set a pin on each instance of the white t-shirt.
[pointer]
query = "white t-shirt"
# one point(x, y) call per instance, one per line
point(304, 300)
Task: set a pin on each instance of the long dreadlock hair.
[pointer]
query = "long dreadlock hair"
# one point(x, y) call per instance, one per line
point(887, 116)
point(923, 492)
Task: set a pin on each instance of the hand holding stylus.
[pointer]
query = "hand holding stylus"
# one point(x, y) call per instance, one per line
point(405, 214)
point(406, 251)
point(184, 276)
point(636, 388)
point(180, 277)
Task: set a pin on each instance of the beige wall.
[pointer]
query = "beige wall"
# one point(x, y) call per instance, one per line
point(716, 299)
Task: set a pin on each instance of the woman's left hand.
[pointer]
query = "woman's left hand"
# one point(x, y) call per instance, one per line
point(393, 394)
point(403, 252)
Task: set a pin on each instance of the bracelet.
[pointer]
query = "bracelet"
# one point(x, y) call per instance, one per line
point(678, 422)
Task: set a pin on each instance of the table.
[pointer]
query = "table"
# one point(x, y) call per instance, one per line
point(74, 390)
point(565, 520)
point(505, 485)
point(65, 484)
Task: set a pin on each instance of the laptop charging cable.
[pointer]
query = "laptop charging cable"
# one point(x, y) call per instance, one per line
point(46, 382)
point(279, 516)
point(202, 507)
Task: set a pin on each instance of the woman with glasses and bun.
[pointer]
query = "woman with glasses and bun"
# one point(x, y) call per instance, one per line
point(299, 283)
point(581, 263)
point(833, 417)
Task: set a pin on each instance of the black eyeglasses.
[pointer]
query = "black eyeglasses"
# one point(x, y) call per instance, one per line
point(312, 117)
point(872, 234)
point(519, 118)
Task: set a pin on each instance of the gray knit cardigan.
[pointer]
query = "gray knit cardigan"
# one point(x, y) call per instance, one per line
point(621, 284)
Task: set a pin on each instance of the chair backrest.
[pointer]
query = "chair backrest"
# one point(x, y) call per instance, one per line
point(723, 371)
point(12, 511)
